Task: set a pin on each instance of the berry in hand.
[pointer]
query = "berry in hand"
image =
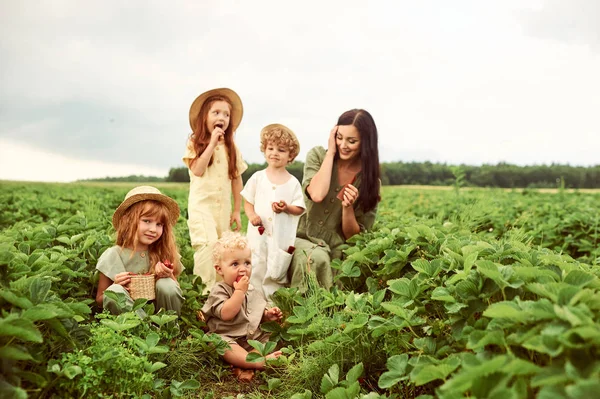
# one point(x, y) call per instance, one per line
point(261, 230)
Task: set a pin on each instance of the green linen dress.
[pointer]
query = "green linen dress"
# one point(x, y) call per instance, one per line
point(320, 235)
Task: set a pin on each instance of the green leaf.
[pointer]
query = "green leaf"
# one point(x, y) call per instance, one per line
point(330, 379)
point(442, 294)
point(89, 241)
point(39, 289)
point(157, 366)
point(350, 268)
point(506, 310)
point(22, 329)
point(434, 372)
point(11, 297)
point(355, 372)
point(14, 353)
point(302, 395)
point(72, 371)
point(189, 384)
point(152, 339)
point(337, 393)
point(253, 357)
point(273, 383)
point(396, 366)
point(579, 278)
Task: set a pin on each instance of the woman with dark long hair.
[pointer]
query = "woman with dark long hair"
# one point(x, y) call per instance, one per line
point(342, 189)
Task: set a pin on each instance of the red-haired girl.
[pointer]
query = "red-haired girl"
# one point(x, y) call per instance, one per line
point(215, 168)
point(144, 223)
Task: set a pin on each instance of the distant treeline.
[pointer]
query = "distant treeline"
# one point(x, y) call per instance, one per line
point(130, 178)
point(435, 174)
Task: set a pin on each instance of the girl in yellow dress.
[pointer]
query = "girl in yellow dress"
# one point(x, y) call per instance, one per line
point(215, 167)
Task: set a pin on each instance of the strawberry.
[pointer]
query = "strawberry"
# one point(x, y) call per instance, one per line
point(168, 263)
point(238, 278)
point(291, 249)
point(261, 230)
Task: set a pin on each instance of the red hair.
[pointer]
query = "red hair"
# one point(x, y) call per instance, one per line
point(165, 248)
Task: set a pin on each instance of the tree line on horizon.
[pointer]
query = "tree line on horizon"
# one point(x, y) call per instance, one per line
point(501, 175)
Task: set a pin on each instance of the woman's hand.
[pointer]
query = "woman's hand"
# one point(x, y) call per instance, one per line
point(236, 220)
point(161, 270)
point(272, 314)
point(332, 144)
point(123, 279)
point(216, 135)
point(350, 195)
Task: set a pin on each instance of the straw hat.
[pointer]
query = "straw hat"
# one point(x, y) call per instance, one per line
point(142, 193)
point(236, 103)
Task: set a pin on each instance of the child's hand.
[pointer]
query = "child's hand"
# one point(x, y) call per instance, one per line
point(242, 283)
point(255, 220)
point(331, 144)
point(273, 314)
point(163, 270)
point(216, 135)
point(123, 279)
point(235, 220)
point(279, 207)
point(350, 195)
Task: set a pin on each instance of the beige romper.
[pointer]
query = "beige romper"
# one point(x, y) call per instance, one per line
point(245, 325)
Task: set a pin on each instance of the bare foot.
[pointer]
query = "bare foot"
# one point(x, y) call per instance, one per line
point(243, 375)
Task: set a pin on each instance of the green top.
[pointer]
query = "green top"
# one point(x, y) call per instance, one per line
point(117, 260)
point(322, 221)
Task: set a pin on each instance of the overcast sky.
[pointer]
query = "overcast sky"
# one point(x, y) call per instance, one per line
point(97, 88)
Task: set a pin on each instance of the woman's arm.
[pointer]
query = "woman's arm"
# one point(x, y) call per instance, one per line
point(321, 181)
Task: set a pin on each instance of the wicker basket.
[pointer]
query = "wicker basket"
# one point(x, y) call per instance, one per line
point(142, 286)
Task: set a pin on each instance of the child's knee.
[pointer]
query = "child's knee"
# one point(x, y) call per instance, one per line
point(168, 288)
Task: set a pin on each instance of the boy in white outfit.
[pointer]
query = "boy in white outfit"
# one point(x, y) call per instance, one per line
point(273, 203)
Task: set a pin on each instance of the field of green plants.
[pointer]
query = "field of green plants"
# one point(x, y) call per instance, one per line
point(455, 293)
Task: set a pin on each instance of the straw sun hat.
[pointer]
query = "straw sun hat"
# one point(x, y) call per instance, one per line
point(236, 103)
point(143, 193)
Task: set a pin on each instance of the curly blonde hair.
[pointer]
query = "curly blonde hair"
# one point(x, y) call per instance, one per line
point(280, 135)
point(229, 241)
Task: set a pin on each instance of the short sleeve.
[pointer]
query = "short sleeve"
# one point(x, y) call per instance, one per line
point(298, 198)
point(214, 303)
point(241, 166)
point(190, 154)
point(110, 263)
point(314, 160)
point(249, 191)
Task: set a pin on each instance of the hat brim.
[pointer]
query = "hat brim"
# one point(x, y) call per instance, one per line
point(171, 204)
point(236, 103)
